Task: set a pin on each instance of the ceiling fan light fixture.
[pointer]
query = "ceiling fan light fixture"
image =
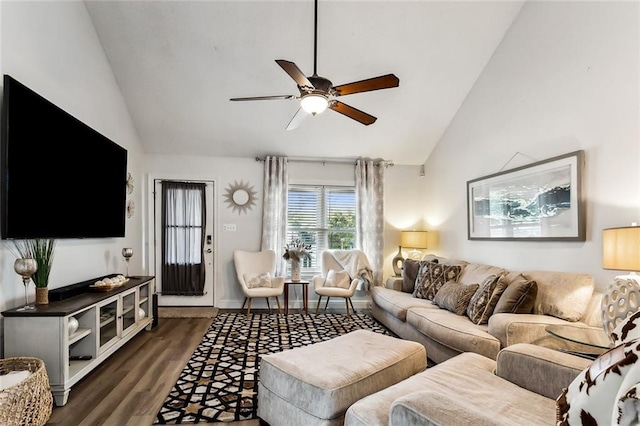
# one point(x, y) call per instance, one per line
point(314, 103)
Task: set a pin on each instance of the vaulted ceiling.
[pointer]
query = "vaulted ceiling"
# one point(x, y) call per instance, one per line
point(178, 63)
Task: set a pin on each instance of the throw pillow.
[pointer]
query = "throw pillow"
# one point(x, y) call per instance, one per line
point(254, 280)
point(410, 270)
point(422, 278)
point(435, 276)
point(339, 279)
point(484, 300)
point(605, 393)
point(518, 298)
point(455, 297)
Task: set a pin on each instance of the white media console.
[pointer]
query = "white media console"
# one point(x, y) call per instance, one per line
point(105, 321)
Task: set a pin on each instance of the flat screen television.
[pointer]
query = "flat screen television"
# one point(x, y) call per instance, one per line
point(59, 177)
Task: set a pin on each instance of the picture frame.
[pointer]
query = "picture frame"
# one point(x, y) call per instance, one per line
point(541, 201)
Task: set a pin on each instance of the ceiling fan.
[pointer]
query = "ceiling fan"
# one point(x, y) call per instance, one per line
point(318, 93)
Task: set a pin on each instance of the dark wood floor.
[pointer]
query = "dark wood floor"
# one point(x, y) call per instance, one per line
point(129, 387)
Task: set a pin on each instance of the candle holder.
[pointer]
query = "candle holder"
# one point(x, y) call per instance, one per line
point(25, 268)
point(127, 253)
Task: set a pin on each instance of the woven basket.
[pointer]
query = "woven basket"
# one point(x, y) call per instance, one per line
point(30, 401)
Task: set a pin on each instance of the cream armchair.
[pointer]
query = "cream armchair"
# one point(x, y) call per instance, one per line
point(329, 262)
point(249, 265)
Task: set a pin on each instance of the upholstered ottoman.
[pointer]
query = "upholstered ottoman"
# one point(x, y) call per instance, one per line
point(314, 385)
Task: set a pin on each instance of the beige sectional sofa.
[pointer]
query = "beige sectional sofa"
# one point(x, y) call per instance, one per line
point(519, 388)
point(562, 298)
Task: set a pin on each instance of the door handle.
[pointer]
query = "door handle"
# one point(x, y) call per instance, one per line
point(208, 251)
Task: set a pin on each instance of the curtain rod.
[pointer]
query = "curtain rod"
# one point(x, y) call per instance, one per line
point(387, 163)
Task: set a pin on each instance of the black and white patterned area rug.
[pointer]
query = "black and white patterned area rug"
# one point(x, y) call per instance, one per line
point(220, 381)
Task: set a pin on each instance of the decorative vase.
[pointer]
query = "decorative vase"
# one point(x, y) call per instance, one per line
point(42, 295)
point(25, 267)
point(398, 263)
point(72, 325)
point(295, 270)
point(620, 300)
point(141, 313)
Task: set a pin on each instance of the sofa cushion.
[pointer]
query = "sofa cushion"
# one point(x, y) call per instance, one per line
point(483, 302)
point(397, 303)
point(410, 270)
point(475, 273)
point(463, 390)
point(517, 298)
point(454, 331)
point(455, 297)
point(561, 294)
point(432, 276)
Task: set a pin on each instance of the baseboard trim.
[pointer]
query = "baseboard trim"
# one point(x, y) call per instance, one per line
point(334, 303)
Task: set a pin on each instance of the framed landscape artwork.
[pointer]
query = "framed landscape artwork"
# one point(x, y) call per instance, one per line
point(537, 202)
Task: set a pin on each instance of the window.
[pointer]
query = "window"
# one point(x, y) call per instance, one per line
point(324, 217)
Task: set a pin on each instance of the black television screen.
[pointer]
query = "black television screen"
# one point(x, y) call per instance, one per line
point(59, 177)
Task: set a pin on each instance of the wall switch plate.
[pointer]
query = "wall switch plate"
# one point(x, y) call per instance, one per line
point(229, 227)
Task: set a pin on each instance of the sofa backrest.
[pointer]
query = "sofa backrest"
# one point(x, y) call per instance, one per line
point(566, 295)
point(475, 273)
point(593, 314)
point(561, 294)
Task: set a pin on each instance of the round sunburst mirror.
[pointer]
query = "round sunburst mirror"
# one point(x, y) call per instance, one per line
point(240, 196)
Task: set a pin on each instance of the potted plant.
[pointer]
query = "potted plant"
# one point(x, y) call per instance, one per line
point(295, 251)
point(41, 250)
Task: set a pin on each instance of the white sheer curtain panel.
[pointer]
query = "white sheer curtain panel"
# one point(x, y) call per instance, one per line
point(274, 208)
point(370, 213)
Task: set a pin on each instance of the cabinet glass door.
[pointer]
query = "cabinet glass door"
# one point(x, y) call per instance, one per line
point(143, 302)
point(128, 311)
point(108, 323)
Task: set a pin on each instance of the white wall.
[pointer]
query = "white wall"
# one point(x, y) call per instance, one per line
point(52, 48)
point(223, 171)
point(565, 78)
point(402, 208)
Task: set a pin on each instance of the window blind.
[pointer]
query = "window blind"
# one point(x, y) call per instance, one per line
point(323, 217)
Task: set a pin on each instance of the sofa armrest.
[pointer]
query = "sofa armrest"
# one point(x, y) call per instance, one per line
point(394, 283)
point(524, 328)
point(538, 369)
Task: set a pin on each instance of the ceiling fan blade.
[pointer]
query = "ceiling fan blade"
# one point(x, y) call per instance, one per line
point(353, 113)
point(297, 119)
point(295, 73)
point(264, 98)
point(383, 82)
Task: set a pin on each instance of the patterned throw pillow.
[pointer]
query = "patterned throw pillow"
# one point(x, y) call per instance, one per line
point(484, 301)
point(434, 277)
point(422, 278)
point(339, 279)
point(608, 391)
point(254, 280)
point(455, 297)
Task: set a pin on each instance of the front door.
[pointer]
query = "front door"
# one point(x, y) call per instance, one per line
point(194, 238)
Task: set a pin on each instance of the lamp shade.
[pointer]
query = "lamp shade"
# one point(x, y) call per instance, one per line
point(314, 103)
point(621, 248)
point(414, 239)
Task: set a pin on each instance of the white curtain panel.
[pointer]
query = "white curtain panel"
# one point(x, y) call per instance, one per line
point(274, 208)
point(370, 212)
